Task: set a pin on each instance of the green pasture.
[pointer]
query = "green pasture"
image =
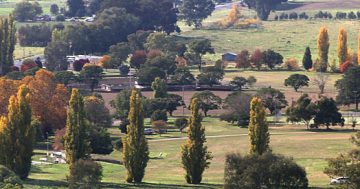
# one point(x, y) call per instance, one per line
point(309, 148)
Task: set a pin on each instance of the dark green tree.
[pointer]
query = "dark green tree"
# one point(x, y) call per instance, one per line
point(65, 77)
point(349, 87)
point(297, 81)
point(55, 55)
point(273, 99)
point(9, 179)
point(198, 48)
point(76, 8)
point(302, 111)
point(7, 44)
point(54, 9)
point(206, 100)
point(211, 76)
point(195, 11)
point(159, 88)
point(147, 74)
point(181, 123)
point(135, 147)
point(263, 7)
point(195, 155)
point(91, 74)
point(237, 108)
point(272, 58)
point(121, 103)
point(307, 60)
point(76, 139)
point(119, 53)
point(26, 11)
point(239, 82)
point(328, 113)
point(183, 76)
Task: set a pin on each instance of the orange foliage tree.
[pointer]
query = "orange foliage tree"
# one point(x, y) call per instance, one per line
point(8, 88)
point(233, 16)
point(323, 48)
point(342, 49)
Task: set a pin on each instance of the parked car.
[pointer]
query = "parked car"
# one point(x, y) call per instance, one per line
point(149, 131)
point(339, 180)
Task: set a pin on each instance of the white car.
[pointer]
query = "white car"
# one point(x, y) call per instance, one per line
point(339, 180)
point(148, 131)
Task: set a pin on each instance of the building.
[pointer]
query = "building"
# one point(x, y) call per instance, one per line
point(229, 57)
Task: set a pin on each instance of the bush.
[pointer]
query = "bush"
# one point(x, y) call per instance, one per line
point(8, 179)
point(15, 75)
point(32, 71)
point(159, 115)
point(85, 174)
point(124, 70)
point(181, 123)
point(291, 64)
point(352, 15)
point(60, 18)
point(100, 142)
point(263, 171)
point(303, 15)
point(118, 145)
point(27, 64)
point(293, 16)
point(344, 66)
point(340, 15)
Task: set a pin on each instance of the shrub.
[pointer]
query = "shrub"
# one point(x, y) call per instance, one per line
point(100, 142)
point(340, 15)
point(85, 174)
point(8, 179)
point(60, 18)
point(79, 64)
point(352, 15)
point(159, 126)
point(159, 115)
point(27, 64)
point(32, 71)
point(181, 123)
point(291, 64)
point(263, 171)
point(118, 145)
point(15, 75)
point(124, 70)
point(344, 66)
point(293, 16)
point(303, 15)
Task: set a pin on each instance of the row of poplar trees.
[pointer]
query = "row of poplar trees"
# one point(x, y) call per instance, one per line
point(7, 44)
point(195, 156)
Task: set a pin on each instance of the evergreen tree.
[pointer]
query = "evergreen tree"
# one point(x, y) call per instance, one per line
point(7, 44)
point(359, 48)
point(195, 154)
point(17, 134)
point(307, 60)
point(259, 136)
point(76, 141)
point(323, 48)
point(76, 8)
point(195, 11)
point(135, 146)
point(342, 49)
point(159, 88)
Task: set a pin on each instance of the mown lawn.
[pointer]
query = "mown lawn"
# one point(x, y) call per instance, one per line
point(309, 149)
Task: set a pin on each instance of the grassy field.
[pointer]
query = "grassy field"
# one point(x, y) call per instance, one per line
point(166, 171)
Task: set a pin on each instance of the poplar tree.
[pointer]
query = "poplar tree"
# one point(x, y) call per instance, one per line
point(76, 140)
point(135, 146)
point(342, 49)
point(17, 134)
point(195, 154)
point(307, 60)
point(7, 44)
point(259, 137)
point(359, 48)
point(323, 49)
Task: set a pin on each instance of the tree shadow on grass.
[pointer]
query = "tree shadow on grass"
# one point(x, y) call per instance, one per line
point(161, 186)
point(46, 183)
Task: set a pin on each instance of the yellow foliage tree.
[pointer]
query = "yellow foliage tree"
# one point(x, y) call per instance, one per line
point(232, 17)
point(323, 49)
point(342, 49)
point(8, 88)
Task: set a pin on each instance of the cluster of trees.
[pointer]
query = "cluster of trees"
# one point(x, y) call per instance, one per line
point(260, 167)
point(291, 16)
point(34, 35)
point(258, 58)
point(338, 15)
point(263, 7)
point(26, 10)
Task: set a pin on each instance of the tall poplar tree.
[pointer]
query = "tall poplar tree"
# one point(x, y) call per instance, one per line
point(76, 140)
point(342, 49)
point(7, 44)
point(195, 154)
point(323, 49)
point(17, 134)
point(135, 150)
point(307, 60)
point(259, 137)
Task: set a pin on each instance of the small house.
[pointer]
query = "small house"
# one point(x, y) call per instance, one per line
point(229, 57)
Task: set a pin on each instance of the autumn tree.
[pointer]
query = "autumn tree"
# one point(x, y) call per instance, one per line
point(342, 49)
point(17, 134)
point(257, 58)
point(320, 81)
point(76, 142)
point(232, 17)
point(7, 44)
point(243, 59)
point(259, 137)
point(307, 60)
point(195, 155)
point(323, 49)
point(135, 146)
